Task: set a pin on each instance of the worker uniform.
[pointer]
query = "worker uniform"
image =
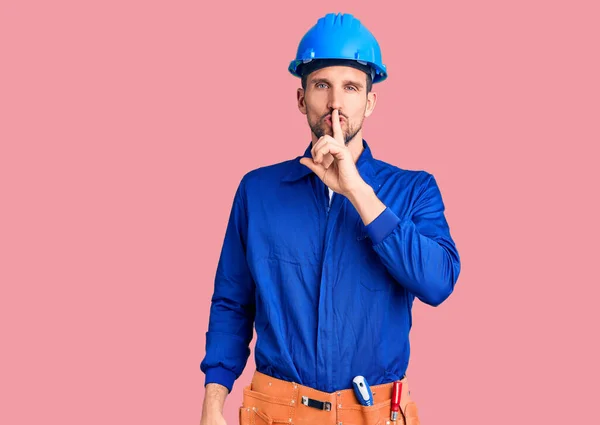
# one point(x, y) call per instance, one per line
point(330, 298)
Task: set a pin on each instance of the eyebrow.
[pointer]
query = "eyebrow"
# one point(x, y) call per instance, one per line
point(345, 82)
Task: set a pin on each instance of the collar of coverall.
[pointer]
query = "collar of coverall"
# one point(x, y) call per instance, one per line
point(364, 166)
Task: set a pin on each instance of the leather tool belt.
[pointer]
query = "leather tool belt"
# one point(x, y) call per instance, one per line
point(269, 401)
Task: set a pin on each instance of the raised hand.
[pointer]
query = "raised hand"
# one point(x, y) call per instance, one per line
point(332, 160)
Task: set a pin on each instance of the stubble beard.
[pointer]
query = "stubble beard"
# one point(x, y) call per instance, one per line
point(320, 128)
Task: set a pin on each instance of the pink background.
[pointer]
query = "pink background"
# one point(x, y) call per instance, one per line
point(125, 127)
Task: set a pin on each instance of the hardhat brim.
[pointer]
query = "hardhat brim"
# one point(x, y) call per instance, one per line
point(380, 73)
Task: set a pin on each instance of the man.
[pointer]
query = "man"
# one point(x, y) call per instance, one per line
point(324, 255)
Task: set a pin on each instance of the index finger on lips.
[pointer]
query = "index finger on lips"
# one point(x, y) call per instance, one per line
point(337, 126)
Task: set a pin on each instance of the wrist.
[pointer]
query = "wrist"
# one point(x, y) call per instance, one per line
point(360, 191)
point(214, 398)
point(366, 202)
point(211, 408)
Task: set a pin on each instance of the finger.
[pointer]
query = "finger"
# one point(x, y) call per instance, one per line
point(322, 153)
point(328, 160)
point(338, 134)
point(331, 149)
point(318, 155)
point(319, 145)
point(318, 169)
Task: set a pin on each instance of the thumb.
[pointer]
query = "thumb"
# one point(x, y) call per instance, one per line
point(318, 169)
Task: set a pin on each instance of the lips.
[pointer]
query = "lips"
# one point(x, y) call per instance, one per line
point(328, 119)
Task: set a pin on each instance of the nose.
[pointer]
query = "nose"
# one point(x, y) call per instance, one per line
point(335, 99)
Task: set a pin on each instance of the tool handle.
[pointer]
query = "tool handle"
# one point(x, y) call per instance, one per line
point(396, 394)
point(362, 391)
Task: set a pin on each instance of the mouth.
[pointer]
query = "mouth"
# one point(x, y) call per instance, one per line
point(328, 119)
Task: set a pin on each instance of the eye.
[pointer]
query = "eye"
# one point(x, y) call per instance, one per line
point(351, 88)
point(321, 85)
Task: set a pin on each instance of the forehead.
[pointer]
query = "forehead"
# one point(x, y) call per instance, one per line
point(339, 73)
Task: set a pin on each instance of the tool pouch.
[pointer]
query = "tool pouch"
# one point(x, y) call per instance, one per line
point(411, 414)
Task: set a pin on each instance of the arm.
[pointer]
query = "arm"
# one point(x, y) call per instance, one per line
point(212, 408)
point(418, 251)
point(230, 328)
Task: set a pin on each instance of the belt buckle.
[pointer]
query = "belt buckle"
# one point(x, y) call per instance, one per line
point(321, 405)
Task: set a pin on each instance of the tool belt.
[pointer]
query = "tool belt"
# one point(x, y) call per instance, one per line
point(270, 401)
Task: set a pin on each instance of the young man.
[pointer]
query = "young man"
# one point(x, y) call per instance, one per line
point(324, 255)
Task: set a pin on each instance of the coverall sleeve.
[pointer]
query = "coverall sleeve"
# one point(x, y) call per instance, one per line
point(418, 250)
point(232, 310)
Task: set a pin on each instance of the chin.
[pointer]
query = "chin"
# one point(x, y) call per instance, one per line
point(326, 130)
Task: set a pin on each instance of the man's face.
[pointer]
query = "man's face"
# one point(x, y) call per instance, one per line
point(336, 87)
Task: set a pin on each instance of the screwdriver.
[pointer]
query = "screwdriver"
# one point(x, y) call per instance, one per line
point(396, 392)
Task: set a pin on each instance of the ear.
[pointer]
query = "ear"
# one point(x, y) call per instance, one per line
point(301, 102)
point(371, 101)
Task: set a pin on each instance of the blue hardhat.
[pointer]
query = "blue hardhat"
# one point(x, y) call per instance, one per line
point(340, 36)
